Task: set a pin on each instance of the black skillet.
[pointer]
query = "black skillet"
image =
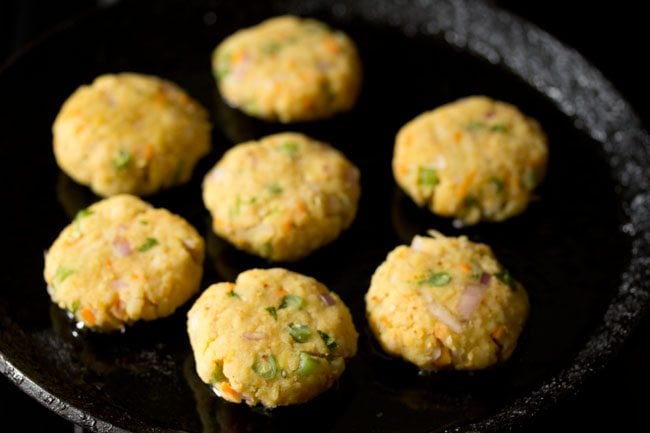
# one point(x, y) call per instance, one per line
point(582, 249)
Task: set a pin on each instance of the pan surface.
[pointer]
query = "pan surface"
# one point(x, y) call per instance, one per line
point(582, 250)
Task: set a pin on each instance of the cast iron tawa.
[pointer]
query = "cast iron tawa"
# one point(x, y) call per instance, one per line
point(582, 250)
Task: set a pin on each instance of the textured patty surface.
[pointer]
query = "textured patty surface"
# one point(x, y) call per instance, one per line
point(474, 159)
point(446, 303)
point(130, 133)
point(121, 261)
point(288, 69)
point(283, 196)
point(273, 337)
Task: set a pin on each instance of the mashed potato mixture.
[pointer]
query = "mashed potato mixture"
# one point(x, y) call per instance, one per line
point(121, 261)
point(446, 303)
point(273, 337)
point(283, 196)
point(474, 159)
point(130, 133)
point(288, 69)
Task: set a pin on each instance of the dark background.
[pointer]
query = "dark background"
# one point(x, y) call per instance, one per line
point(612, 35)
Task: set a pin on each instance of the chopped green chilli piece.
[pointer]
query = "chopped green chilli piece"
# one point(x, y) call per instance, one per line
point(308, 364)
point(271, 47)
point(217, 375)
point(505, 277)
point(498, 184)
point(330, 343)
point(470, 201)
point(148, 244)
point(233, 294)
point(499, 127)
point(274, 189)
point(83, 213)
point(265, 366)
point(436, 279)
point(267, 249)
point(291, 147)
point(75, 306)
point(223, 67)
point(427, 177)
point(529, 179)
point(291, 300)
point(474, 126)
point(121, 160)
point(273, 312)
point(299, 333)
point(61, 274)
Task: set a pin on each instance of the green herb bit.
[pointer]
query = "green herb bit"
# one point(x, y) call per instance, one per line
point(308, 364)
point(223, 67)
point(75, 306)
point(299, 333)
point(121, 160)
point(83, 213)
point(271, 47)
point(499, 127)
point(529, 179)
point(148, 244)
point(267, 249)
point(274, 189)
point(234, 210)
point(61, 274)
point(291, 300)
point(144, 222)
point(498, 184)
point(428, 177)
point(290, 147)
point(505, 277)
point(273, 312)
point(436, 279)
point(265, 366)
point(474, 126)
point(217, 375)
point(233, 294)
point(330, 343)
point(470, 201)
point(283, 373)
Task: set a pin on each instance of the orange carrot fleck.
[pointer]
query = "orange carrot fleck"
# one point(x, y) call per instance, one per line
point(465, 267)
point(457, 136)
point(227, 389)
point(331, 45)
point(88, 316)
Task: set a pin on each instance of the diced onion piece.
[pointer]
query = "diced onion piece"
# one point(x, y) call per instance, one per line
point(418, 242)
point(486, 277)
point(122, 247)
point(327, 299)
point(470, 299)
point(253, 336)
point(435, 234)
point(118, 284)
point(441, 313)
